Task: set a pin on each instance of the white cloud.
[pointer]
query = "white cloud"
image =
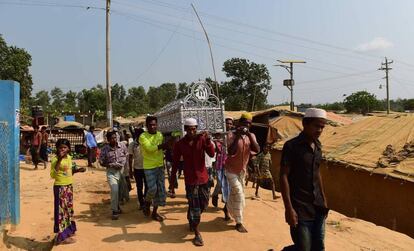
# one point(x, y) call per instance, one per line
point(378, 43)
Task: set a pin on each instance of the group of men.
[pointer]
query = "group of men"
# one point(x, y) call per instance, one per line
point(301, 184)
point(39, 146)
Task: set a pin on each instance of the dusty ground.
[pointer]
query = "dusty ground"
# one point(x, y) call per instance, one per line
point(96, 231)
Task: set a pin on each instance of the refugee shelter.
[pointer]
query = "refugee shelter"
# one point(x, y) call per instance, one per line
point(368, 167)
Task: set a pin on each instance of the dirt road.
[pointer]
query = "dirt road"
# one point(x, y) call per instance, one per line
point(264, 219)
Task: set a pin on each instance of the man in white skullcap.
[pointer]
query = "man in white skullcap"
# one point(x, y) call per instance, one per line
point(301, 184)
point(193, 148)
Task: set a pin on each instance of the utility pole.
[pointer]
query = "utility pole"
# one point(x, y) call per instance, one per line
point(289, 83)
point(385, 67)
point(108, 76)
point(83, 116)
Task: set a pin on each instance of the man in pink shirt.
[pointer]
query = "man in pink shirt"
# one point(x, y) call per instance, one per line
point(240, 145)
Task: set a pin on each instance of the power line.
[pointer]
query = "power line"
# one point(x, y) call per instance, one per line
point(161, 25)
point(324, 44)
point(269, 30)
point(48, 4)
point(250, 34)
point(349, 83)
point(338, 77)
point(159, 54)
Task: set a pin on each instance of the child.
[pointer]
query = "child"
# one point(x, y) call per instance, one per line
point(62, 170)
point(264, 177)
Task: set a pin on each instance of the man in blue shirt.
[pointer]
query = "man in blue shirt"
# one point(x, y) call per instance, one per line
point(91, 146)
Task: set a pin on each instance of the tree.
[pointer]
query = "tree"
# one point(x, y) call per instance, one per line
point(14, 65)
point(70, 103)
point(336, 106)
point(182, 90)
point(93, 100)
point(137, 102)
point(160, 96)
point(42, 99)
point(118, 99)
point(248, 87)
point(361, 102)
point(408, 104)
point(58, 100)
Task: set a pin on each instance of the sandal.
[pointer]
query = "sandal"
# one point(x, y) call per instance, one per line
point(157, 217)
point(241, 228)
point(68, 240)
point(198, 241)
point(146, 209)
point(81, 170)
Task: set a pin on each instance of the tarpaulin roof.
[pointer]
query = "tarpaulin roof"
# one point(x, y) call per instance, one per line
point(233, 114)
point(130, 121)
point(378, 144)
point(69, 125)
point(364, 144)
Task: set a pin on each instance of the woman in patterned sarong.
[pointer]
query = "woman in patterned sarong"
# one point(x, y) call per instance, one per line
point(62, 170)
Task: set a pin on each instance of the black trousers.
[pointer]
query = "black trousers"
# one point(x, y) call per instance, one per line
point(139, 177)
point(91, 155)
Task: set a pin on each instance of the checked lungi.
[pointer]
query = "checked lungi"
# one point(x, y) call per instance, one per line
point(155, 179)
point(198, 197)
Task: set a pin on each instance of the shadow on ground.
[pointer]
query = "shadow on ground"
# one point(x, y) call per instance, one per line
point(25, 243)
point(170, 233)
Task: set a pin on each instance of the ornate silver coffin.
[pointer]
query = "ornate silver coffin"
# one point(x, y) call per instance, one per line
point(201, 104)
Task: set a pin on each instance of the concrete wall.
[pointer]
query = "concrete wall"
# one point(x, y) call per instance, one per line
point(355, 193)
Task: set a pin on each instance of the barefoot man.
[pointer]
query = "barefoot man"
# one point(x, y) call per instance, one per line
point(240, 145)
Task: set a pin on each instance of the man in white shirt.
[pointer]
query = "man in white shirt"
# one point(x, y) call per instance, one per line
point(136, 168)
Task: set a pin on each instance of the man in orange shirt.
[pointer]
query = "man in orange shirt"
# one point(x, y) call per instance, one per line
point(240, 145)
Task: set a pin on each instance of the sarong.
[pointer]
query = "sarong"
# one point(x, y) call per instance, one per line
point(155, 179)
point(198, 197)
point(64, 224)
point(43, 152)
point(236, 200)
point(35, 155)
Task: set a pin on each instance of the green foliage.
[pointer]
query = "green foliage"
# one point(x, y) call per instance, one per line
point(70, 102)
point(136, 102)
point(160, 96)
point(14, 65)
point(408, 104)
point(182, 90)
point(248, 87)
point(118, 99)
point(93, 99)
point(336, 106)
point(42, 99)
point(361, 102)
point(58, 100)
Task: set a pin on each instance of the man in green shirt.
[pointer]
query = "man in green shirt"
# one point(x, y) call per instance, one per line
point(152, 147)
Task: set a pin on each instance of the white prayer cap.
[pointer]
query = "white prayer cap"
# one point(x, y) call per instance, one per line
point(315, 113)
point(190, 122)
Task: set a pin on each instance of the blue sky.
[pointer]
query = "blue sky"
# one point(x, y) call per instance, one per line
point(157, 41)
